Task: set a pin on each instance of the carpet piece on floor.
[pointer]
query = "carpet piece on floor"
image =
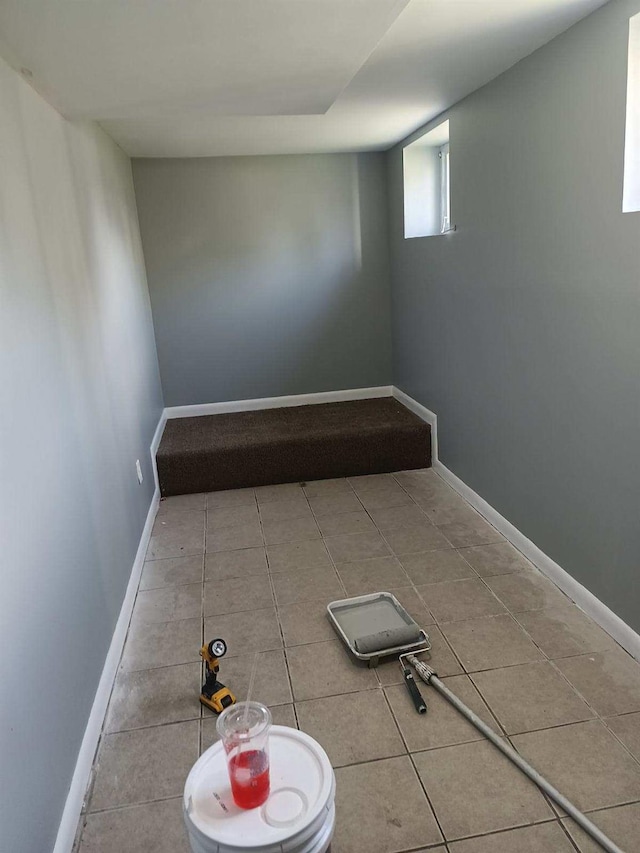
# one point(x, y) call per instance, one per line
point(288, 445)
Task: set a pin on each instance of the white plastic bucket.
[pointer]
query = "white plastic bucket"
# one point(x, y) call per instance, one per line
point(298, 816)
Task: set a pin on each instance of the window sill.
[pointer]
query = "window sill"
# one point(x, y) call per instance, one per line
point(449, 230)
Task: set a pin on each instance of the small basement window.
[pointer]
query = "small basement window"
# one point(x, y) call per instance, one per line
point(631, 191)
point(427, 186)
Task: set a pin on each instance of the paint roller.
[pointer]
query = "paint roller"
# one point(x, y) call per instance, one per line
point(392, 638)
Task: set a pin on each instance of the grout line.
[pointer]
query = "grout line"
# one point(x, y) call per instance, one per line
point(164, 725)
point(501, 729)
point(333, 562)
point(277, 612)
point(396, 721)
point(428, 798)
point(295, 710)
point(177, 722)
point(164, 666)
point(505, 829)
point(564, 829)
point(125, 806)
point(202, 617)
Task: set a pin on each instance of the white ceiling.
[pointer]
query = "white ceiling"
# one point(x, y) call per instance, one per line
point(181, 78)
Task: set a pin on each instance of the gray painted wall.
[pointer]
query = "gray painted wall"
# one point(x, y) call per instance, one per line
point(268, 275)
point(522, 330)
point(80, 401)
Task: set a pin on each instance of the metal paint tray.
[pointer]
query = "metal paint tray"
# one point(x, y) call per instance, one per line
point(367, 614)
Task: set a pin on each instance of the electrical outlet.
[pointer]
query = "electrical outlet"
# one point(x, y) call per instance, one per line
point(139, 471)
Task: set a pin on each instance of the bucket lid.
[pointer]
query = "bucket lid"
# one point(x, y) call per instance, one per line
point(302, 787)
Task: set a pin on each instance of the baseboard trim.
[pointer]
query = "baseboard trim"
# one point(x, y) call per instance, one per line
point(81, 776)
point(153, 449)
point(422, 412)
point(277, 402)
point(586, 601)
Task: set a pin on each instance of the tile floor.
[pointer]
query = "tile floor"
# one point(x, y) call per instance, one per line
point(258, 566)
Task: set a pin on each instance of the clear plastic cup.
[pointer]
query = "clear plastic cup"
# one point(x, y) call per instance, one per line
point(244, 731)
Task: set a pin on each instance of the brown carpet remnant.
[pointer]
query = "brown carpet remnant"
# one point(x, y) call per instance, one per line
point(289, 445)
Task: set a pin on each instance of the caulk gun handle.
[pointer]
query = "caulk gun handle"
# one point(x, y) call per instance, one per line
point(415, 694)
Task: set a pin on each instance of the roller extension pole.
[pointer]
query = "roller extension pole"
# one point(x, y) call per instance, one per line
point(429, 676)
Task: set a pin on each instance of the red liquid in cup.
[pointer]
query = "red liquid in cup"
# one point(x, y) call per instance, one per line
point(249, 774)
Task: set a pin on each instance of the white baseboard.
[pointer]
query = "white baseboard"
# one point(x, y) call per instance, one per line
point(587, 601)
point(155, 443)
point(81, 776)
point(426, 414)
point(277, 402)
